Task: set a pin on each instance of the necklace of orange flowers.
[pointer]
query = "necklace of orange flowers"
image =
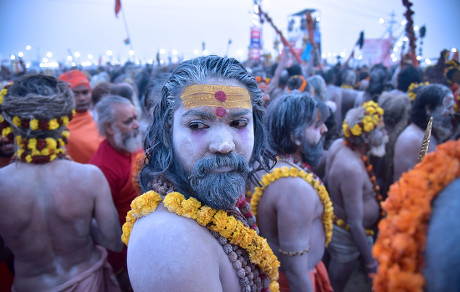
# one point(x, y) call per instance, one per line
point(402, 234)
point(233, 230)
point(371, 174)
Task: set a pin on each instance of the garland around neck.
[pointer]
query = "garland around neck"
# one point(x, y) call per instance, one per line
point(257, 247)
point(402, 234)
point(278, 173)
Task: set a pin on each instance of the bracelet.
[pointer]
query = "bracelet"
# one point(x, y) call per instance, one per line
point(294, 253)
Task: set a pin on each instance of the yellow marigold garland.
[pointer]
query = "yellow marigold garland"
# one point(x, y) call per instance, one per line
point(33, 150)
point(217, 220)
point(372, 116)
point(412, 86)
point(285, 171)
point(402, 234)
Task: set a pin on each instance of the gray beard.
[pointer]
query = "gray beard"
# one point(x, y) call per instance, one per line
point(219, 190)
point(131, 142)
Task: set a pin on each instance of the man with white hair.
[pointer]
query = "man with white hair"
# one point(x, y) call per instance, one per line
point(117, 121)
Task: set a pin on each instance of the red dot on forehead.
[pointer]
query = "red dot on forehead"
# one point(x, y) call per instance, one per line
point(220, 112)
point(220, 95)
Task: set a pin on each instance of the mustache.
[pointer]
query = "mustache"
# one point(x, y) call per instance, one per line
point(208, 164)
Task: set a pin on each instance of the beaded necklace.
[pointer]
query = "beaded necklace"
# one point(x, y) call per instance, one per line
point(373, 179)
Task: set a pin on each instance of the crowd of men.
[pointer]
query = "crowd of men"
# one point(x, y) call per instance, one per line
point(216, 176)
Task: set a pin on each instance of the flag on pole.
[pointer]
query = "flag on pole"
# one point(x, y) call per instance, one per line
point(117, 7)
point(126, 41)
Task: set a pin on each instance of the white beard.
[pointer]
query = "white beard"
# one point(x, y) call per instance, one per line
point(379, 151)
point(131, 142)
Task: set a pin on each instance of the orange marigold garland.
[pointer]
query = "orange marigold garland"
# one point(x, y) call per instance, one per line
point(402, 234)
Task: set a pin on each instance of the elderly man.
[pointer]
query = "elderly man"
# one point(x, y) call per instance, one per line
point(53, 212)
point(117, 121)
point(354, 191)
point(435, 101)
point(197, 231)
point(292, 206)
point(84, 138)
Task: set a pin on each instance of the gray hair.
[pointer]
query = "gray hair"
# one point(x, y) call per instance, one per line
point(106, 112)
point(319, 84)
point(37, 97)
point(158, 141)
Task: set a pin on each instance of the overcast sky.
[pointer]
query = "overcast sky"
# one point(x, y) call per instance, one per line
point(90, 26)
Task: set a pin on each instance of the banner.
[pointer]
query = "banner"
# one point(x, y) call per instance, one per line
point(377, 51)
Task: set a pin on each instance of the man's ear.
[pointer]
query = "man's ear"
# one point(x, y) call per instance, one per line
point(428, 110)
point(109, 129)
point(296, 140)
point(365, 137)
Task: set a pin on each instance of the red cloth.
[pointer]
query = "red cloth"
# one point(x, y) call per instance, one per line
point(75, 78)
point(117, 169)
point(84, 137)
point(6, 277)
point(319, 280)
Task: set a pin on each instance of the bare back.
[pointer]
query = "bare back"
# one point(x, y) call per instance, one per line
point(349, 186)
point(407, 147)
point(46, 220)
point(289, 215)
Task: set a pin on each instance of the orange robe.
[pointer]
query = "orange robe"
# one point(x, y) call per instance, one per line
point(84, 137)
point(319, 280)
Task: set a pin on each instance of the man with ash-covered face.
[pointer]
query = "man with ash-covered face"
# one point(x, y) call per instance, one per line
point(434, 100)
point(292, 206)
point(194, 231)
point(354, 192)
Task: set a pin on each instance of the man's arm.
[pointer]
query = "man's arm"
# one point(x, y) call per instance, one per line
point(352, 191)
point(172, 254)
point(295, 214)
point(105, 227)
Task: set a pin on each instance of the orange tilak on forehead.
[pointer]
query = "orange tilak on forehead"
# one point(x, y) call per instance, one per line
point(222, 97)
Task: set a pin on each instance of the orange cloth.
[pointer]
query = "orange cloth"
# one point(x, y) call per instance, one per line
point(84, 137)
point(319, 280)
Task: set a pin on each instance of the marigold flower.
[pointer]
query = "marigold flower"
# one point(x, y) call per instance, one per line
point(33, 124)
point(53, 124)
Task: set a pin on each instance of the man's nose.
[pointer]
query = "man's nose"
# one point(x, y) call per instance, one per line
point(136, 124)
point(323, 129)
point(222, 143)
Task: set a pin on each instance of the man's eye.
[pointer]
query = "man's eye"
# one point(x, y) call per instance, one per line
point(197, 126)
point(239, 123)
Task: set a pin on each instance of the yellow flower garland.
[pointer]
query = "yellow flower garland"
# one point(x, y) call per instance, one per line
point(412, 86)
point(53, 148)
point(285, 171)
point(257, 247)
point(372, 116)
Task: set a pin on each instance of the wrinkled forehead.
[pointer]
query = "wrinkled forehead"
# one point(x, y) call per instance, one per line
point(221, 97)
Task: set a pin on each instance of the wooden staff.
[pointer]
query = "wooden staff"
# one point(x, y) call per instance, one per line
point(410, 32)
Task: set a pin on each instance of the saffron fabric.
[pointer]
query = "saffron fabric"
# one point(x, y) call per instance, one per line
point(319, 280)
point(84, 137)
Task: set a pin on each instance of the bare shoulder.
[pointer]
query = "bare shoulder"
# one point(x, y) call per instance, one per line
point(291, 193)
point(409, 139)
point(170, 252)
